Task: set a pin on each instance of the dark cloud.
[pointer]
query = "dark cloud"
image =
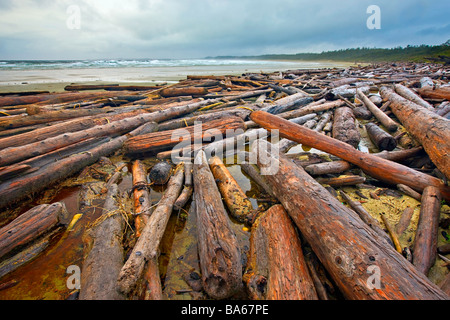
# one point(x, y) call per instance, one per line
point(198, 28)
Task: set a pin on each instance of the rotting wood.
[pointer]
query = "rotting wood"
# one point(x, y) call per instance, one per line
point(276, 268)
point(382, 139)
point(237, 202)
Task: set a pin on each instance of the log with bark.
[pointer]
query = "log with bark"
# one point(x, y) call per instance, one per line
point(141, 196)
point(366, 216)
point(276, 268)
point(431, 130)
point(407, 93)
point(345, 245)
point(161, 141)
point(147, 246)
point(374, 166)
point(104, 252)
point(188, 189)
point(151, 288)
point(53, 98)
point(237, 202)
point(56, 129)
point(219, 253)
point(187, 91)
point(404, 221)
point(425, 243)
point(15, 154)
point(344, 127)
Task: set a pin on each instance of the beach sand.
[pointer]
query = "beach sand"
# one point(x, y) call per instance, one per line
point(55, 80)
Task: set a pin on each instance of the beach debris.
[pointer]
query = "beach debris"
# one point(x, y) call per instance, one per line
point(349, 139)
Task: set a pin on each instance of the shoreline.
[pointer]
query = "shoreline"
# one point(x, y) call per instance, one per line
point(55, 80)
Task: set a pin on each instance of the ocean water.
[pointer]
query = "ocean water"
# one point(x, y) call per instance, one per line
point(139, 63)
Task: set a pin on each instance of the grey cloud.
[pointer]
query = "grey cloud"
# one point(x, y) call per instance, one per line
point(198, 28)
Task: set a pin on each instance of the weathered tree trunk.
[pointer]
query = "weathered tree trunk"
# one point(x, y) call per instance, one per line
point(344, 127)
point(47, 117)
point(387, 122)
point(53, 98)
point(276, 268)
point(366, 217)
point(104, 253)
point(203, 118)
point(404, 221)
point(346, 91)
point(62, 128)
point(410, 192)
point(16, 154)
point(143, 209)
point(436, 93)
point(188, 189)
point(324, 119)
point(345, 245)
point(328, 168)
point(252, 171)
point(164, 140)
point(31, 225)
point(425, 243)
point(288, 103)
point(342, 181)
point(412, 96)
point(188, 91)
point(431, 130)
point(147, 246)
point(377, 167)
point(19, 188)
point(381, 139)
point(220, 257)
point(237, 202)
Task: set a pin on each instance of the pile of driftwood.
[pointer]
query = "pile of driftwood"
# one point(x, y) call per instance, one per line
point(313, 234)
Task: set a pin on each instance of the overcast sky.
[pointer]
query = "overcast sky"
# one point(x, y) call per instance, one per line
point(110, 29)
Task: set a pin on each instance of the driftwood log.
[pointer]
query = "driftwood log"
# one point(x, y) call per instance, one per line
point(220, 257)
point(104, 253)
point(425, 243)
point(431, 130)
point(385, 120)
point(147, 246)
point(407, 93)
point(344, 127)
point(276, 268)
point(237, 202)
point(31, 225)
point(161, 141)
point(152, 289)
